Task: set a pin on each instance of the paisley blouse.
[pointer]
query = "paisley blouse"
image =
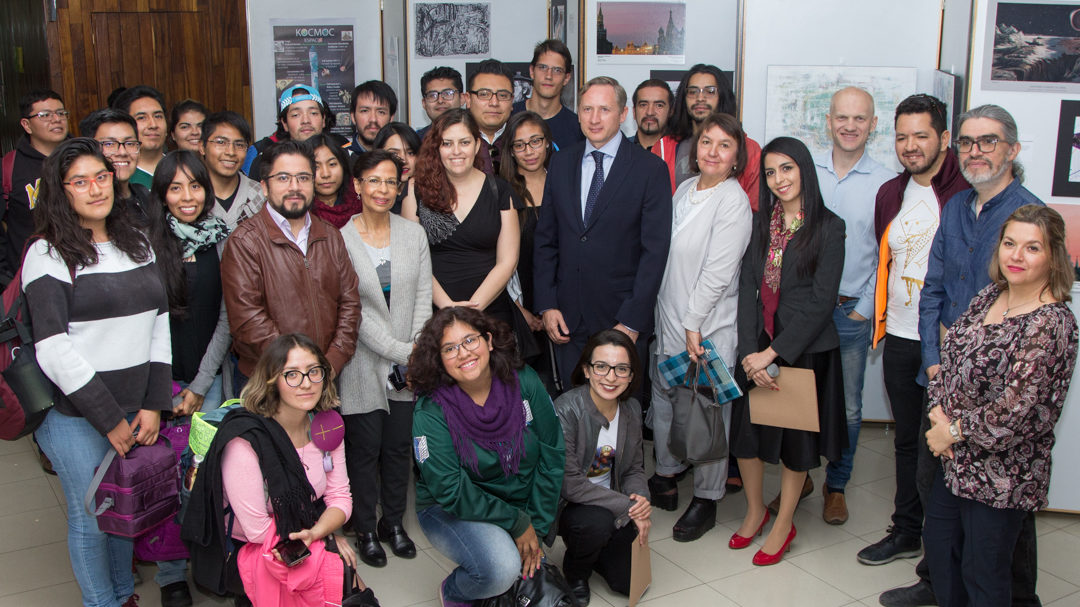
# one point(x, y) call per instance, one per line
point(1006, 384)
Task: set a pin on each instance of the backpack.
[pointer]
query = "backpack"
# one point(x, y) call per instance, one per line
point(136, 492)
point(162, 542)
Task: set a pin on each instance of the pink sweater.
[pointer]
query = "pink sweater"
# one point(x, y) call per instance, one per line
point(245, 492)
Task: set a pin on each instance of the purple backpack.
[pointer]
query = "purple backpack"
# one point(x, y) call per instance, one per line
point(163, 543)
point(137, 492)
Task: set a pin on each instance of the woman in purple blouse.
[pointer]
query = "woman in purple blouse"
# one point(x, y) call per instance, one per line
point(1006, 365)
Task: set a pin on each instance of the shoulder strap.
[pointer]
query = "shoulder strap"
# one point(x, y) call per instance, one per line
point(88, 500)
point(8, 171)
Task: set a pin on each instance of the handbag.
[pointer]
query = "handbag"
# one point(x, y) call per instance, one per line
point(546, 588)
point(163, 543)
point(697, 431)
point(136, 492)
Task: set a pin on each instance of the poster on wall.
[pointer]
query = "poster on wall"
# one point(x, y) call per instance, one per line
point(945, 90)
point(798, 97)
point(557, 20)
point(448, 29)
point(320, 56)
point(641, 33)
point(1067, 159)
point(1032, 46)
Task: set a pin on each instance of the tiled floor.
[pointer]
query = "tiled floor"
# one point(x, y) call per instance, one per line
point(820, 569)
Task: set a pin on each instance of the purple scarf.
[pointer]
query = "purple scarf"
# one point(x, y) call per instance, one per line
point(498, 426)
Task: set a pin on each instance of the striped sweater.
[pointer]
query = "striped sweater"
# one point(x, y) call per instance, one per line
point(104, 339)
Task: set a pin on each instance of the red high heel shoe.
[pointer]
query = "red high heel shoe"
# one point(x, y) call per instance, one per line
point(762, 559)
point(738, 542)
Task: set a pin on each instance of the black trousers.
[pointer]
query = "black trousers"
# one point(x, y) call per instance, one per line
point(901, 361)
point(378, 453)
point(1025, 558)
point(594, 544)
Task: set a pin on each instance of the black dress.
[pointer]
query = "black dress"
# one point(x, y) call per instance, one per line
point(463, 253)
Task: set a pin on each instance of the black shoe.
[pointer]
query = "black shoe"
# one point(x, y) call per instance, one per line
point(399, 541)
point(664, 491)
point(894, 546)
point(371, 551)
point(700, 516)
point(579, 589)
point(919, 594)
point(176, 594)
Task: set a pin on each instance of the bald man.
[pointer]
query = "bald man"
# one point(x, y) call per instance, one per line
point(849, 180)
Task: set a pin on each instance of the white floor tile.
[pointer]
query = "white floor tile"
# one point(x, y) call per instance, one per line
point(667, 578)
point(780, 584)
point(27, 495)
point(1051, 588)
point(1058, 554)
point(698, 595)
point(837, 565)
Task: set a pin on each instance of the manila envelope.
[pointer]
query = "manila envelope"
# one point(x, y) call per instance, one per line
point(640, 571)
point(793, 406)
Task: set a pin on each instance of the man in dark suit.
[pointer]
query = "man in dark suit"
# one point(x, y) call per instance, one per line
point(602, 240)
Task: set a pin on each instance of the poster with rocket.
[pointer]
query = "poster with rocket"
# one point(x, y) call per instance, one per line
point(319, 56)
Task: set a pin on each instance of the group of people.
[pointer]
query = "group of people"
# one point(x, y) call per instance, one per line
point(440, 287)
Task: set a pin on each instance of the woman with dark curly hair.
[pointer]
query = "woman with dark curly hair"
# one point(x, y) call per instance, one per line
point(490, 451)
point(469, 217)
point(101, 330)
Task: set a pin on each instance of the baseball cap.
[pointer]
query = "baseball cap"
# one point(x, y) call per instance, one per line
point(291, 96)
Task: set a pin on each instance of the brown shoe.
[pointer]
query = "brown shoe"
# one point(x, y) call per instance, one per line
point(835, 511)
point(807, 489)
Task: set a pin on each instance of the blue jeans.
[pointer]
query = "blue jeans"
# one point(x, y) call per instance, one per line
point(855, 336)
point(101, 562)
point(487, 557)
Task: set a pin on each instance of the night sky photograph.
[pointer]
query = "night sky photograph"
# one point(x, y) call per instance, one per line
point(1041, 19)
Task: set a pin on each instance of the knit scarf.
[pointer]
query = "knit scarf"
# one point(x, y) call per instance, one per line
point(199, 234)
point(774, 262)
point(497, 426)
point(339, 214)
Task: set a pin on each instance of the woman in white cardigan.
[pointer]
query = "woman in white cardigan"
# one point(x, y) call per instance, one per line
point(698, 300)
point(391, 258)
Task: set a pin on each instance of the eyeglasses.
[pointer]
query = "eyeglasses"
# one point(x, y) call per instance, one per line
point(446, 94)
point(470, 343)
point(554, 69)
point(47, 115)
point(533, 142)
point(986, 143)
point(294, 378)
point(694, 91)
point(112, 146)
point(602, 368)
point(485, 94)
point(221, 142)
point(376, 182)
point(82, 184)
point(283, 179)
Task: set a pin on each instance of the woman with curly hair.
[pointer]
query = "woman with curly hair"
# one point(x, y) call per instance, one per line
point(101, 330)
point(490, 452)
point(469, 217)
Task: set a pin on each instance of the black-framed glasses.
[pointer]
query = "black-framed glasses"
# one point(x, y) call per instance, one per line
point(221, 142)
point(112, 146)
point(485, 94)
point(470, 343)
point(47, 115)
point(376, 182)
point(82, 184)
point(986, 143)
point(601, 369)
point(554, 69)
point(294, 377)
point(446, 94)
point(283, 178)
point(535, 143)
point(694, 91)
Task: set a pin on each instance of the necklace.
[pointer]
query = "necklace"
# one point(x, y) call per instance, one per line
point(381, 240)
point(699, 196)
point(1009, 306)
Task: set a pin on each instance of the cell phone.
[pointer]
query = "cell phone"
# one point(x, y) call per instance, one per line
point(397, 377)
point(293, 552)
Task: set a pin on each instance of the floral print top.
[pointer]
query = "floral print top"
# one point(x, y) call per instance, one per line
point(1006, 383)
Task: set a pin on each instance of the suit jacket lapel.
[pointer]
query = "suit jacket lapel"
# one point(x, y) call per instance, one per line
point(575, 192)
point(620, 169)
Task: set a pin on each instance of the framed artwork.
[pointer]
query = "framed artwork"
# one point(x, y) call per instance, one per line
point(1067, 157)
point(643, 33)
point(1031, 46)
point(450, 29)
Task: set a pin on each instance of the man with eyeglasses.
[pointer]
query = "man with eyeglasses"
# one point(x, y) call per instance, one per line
point(225, 138)
point(441, 89)
point(551, 70)
point(703, 90)
point(147, 106)
point(373, 105)
point(490, 100)
point(117, 132)
point(986, 145)
point(45, 121)
point(287, 271)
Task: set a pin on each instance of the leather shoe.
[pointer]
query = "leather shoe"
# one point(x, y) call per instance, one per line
point(738, 542)
point(371, 551)
point(579, 589)
point(807, 489)
point(399, 541)
point(763, 559)
point(700, 516)
point(176, 594)
point(664, 491)
point(917, 595)
point(835, 510)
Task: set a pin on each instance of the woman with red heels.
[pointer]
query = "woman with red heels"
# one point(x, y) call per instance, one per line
point(788, 287)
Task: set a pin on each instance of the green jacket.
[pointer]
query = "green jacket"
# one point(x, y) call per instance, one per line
point(529, 497)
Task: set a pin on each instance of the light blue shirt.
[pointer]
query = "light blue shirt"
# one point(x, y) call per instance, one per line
point(588, 164)
point(853, 199)
point(301, 239)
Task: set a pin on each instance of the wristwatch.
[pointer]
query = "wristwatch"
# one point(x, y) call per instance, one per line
point(954, 430)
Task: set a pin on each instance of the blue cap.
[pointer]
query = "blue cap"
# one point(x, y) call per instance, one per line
point(289, 96)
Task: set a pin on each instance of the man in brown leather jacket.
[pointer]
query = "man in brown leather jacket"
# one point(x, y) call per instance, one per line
point(286, 271)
